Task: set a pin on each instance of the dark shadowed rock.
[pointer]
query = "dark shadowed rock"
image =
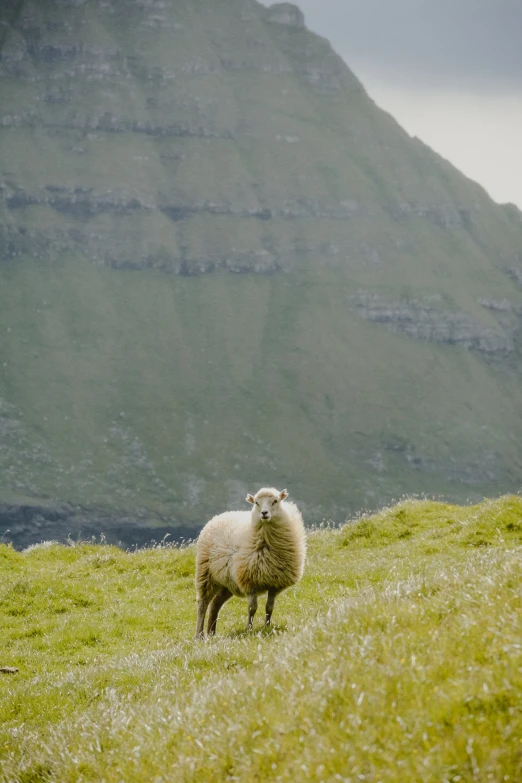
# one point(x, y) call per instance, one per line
point(27, 525)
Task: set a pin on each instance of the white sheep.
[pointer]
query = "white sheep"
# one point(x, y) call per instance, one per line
point(244, 554)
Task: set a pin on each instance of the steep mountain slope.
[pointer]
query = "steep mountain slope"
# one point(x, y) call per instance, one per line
point(222, 265)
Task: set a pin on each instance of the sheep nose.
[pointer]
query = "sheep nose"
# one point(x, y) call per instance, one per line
point(264, 514)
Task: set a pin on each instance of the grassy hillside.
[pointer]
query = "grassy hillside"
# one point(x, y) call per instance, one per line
point(126, 398)
point(222, 266)
point(397, 659)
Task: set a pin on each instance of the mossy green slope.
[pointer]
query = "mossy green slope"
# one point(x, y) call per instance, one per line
point(223, 266)
point(397, 658)
point(126, 398)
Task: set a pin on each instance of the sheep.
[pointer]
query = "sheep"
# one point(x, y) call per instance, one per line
point(244, 554)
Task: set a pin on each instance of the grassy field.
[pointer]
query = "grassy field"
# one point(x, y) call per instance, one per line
point(397, 658)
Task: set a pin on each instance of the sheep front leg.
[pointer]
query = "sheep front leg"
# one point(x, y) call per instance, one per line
point(270, 601)
point(252, 609)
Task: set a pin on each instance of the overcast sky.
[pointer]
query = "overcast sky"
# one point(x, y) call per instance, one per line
point(450, 71)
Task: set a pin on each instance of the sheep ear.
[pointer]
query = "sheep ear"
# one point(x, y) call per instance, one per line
point(283, 494)
point(250, 499)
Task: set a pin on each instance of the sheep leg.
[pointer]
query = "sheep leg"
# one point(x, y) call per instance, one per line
point(270, 601)
point(215, 606)
point(252, 608)
point(203, 603)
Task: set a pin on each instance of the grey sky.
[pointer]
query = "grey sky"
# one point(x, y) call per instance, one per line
point(441, 43)
point(450, 71)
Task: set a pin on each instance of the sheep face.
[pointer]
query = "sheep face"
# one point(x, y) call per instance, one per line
point(266, 503)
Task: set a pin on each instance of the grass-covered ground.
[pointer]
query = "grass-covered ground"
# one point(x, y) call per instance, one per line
point(397, 658)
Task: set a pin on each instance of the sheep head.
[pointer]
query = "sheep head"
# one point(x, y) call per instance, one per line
point(266, 503)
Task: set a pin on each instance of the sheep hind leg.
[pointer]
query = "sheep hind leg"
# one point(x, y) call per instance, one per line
point(215, 606)
point(252, 609)
point(202, 610)
point(270, 601)
point(205, 593)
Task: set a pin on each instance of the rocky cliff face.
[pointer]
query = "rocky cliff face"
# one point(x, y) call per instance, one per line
point(178, 137)
point(428, 320)
point(223, 265)
point(150, 135)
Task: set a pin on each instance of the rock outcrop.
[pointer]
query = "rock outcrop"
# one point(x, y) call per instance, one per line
point(424, 321)
point(286, 13)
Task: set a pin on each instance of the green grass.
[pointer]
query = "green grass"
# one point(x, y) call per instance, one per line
point(397, 658)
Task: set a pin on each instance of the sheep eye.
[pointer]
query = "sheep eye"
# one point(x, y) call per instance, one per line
point(274, 502)
point(257, 504)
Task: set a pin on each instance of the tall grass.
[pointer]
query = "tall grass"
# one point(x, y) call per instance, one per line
point(397, 658)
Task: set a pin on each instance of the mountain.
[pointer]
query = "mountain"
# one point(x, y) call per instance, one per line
point(222, 266)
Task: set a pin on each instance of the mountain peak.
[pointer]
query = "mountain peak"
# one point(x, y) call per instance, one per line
point(285, 13)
